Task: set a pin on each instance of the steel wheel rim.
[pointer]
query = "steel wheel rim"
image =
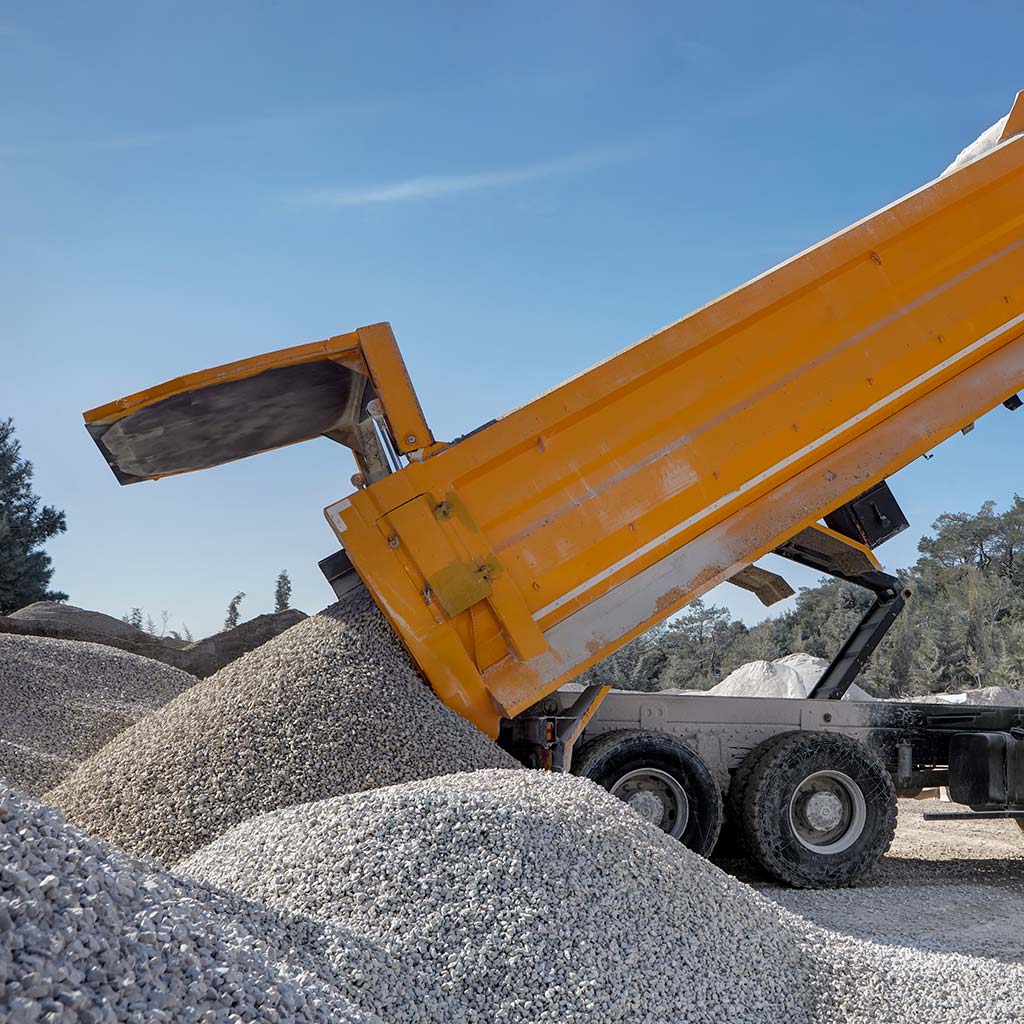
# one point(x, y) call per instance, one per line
point(657, 797)
point(827, 812)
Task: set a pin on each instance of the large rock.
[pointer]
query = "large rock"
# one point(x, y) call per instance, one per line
point(201, 658)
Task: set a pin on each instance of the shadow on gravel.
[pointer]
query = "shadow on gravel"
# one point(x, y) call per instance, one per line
point(971, 907)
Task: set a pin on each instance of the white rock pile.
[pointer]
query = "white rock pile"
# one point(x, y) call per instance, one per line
point(791, 676)
point(331, 706)
point(518, 896)
point(1003, 696)
point(61, 701)
point(526, 896)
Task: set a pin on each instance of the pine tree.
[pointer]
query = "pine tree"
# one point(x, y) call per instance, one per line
point(25, 569)
point(283, 592)
point(231, 619)
point(134, 618)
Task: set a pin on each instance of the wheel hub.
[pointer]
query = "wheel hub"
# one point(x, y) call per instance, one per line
point(648, 806)
point(824, 811)
point(827, 812)
point(657, 797)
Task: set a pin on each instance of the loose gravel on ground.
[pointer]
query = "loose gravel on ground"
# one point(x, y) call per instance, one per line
point(945, 886)
point(331, 706)
point(62, 700)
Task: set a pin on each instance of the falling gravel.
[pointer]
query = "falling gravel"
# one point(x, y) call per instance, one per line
point(61, 701)
point(89, 934)
point(331, 706)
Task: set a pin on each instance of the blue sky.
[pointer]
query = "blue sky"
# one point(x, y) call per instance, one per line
point(520, 189)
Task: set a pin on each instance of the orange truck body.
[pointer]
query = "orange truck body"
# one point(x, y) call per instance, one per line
point(513, 560)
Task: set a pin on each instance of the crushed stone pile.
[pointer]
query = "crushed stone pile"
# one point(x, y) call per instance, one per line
point(510, 896)
point(32, 771)
point(61, 701)
point(331, 706)
point(998, 696)
point(92, 935)
point(529, 896)
point(518, 896)
point(791, 676)
point(200, 658)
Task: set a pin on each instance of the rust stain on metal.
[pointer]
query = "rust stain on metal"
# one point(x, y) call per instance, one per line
point(670, 598)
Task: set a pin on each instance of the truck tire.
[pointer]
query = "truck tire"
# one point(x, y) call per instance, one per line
point(818, 810)
point(661, 778)
point(741, 776)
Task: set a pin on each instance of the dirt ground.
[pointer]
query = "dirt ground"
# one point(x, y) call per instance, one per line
point(953, 886)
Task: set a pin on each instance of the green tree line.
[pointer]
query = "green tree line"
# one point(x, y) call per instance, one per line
point(962, 628)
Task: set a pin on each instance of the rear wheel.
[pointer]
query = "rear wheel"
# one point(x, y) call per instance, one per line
point(661, 778)
point(817, 810)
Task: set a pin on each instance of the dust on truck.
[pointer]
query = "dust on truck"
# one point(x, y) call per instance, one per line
point(514, 558)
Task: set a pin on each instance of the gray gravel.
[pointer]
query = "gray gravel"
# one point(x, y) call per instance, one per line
point(61, 701)
point(508, 896)
point(524, 896)
point(90, 935)
point(331, 706)
point(30, 770)
point(520, 896)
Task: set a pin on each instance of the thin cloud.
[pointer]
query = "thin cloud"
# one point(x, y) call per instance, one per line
point(433, 186)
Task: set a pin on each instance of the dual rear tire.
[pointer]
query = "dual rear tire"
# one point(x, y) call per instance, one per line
point(814, 810)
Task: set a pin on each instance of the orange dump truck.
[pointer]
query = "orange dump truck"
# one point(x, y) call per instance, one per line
point(511, 560)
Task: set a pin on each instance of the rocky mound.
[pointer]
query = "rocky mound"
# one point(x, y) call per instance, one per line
point(331, 706)
point(61, 701)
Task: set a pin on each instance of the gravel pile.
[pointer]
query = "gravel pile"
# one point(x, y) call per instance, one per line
point(61, 701)
point(331, 706)
point(30, 770)
point(508, 896)
point(519, 896)
point(1000, 696)
point(91, 935)
point(524, 896)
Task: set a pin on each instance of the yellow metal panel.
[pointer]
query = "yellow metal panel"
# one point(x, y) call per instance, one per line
point(391, 379)
point(343, 348)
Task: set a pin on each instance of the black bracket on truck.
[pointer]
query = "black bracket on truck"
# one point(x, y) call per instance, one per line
point(868, 521)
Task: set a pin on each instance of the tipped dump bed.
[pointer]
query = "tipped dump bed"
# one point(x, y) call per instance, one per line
point(515, 559)
point(613, 500)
